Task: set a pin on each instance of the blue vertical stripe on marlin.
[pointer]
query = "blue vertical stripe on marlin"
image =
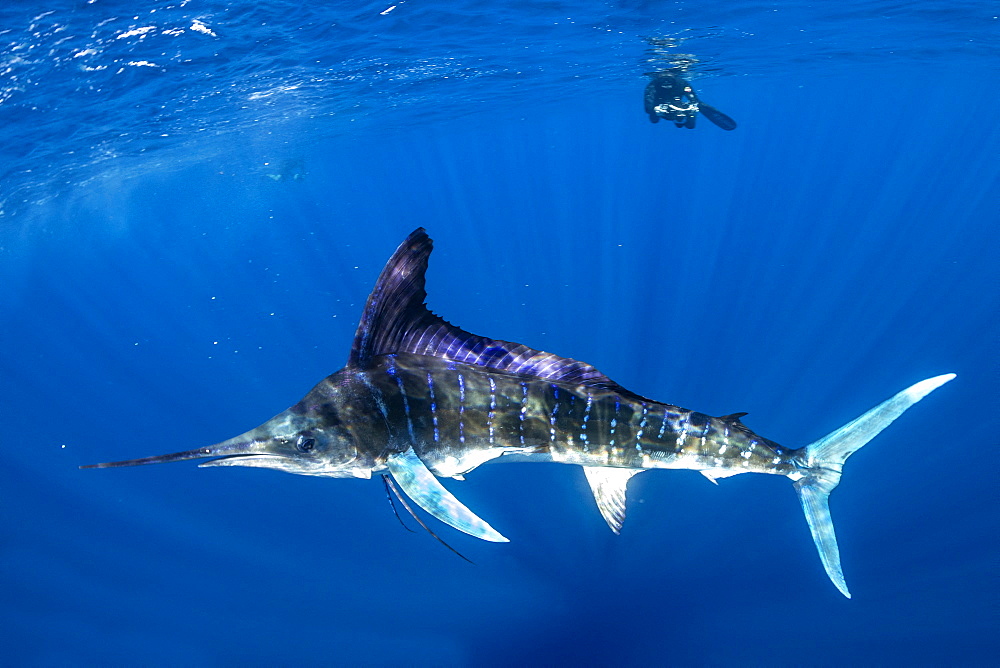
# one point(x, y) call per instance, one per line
point(421, 399)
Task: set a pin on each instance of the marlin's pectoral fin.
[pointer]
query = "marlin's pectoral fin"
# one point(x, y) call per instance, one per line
point(608, 485)
point(427, 492)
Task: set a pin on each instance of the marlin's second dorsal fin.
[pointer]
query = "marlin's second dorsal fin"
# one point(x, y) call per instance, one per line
point(396, 320)
point(733, 417)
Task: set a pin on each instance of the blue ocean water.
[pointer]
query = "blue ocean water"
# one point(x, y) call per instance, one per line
point(196, 198)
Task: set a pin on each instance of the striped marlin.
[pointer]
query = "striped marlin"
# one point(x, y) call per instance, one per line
point(421, 399)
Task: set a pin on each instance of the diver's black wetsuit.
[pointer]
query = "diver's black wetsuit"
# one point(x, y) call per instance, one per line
point(670, 97)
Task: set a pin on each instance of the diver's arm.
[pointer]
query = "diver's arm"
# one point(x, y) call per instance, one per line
point(649, 102)
point(649, 98)
point(691, 95)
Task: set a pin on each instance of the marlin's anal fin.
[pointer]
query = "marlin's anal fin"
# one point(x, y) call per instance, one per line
point(608, 485)
point(714, 474)
point(423, 487)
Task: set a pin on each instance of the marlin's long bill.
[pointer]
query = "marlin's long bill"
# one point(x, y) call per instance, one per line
point(245, 445)
point(421, 399)
point(287, 442)
point(157, 459)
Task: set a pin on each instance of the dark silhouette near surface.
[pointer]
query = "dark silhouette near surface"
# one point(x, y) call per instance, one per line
point(672, 98)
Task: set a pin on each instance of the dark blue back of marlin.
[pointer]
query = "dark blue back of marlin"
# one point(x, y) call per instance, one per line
point(421, 399)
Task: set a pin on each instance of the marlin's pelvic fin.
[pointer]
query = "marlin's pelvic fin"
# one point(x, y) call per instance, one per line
point(423, 487)
point(608, 485)
point(824, 462)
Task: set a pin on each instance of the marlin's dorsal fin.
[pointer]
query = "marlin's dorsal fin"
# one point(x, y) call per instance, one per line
point(608, 485)
point(420, 485)
point(733, 417)
point(396, 320)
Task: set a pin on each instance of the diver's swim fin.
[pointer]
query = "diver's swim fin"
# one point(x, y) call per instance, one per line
point(717, 117)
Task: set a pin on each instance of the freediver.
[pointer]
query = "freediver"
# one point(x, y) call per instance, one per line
point(670, 97)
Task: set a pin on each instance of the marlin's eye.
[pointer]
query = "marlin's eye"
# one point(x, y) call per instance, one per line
point(305, 444)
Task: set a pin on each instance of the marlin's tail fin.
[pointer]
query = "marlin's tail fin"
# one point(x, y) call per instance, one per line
point(824, 461)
